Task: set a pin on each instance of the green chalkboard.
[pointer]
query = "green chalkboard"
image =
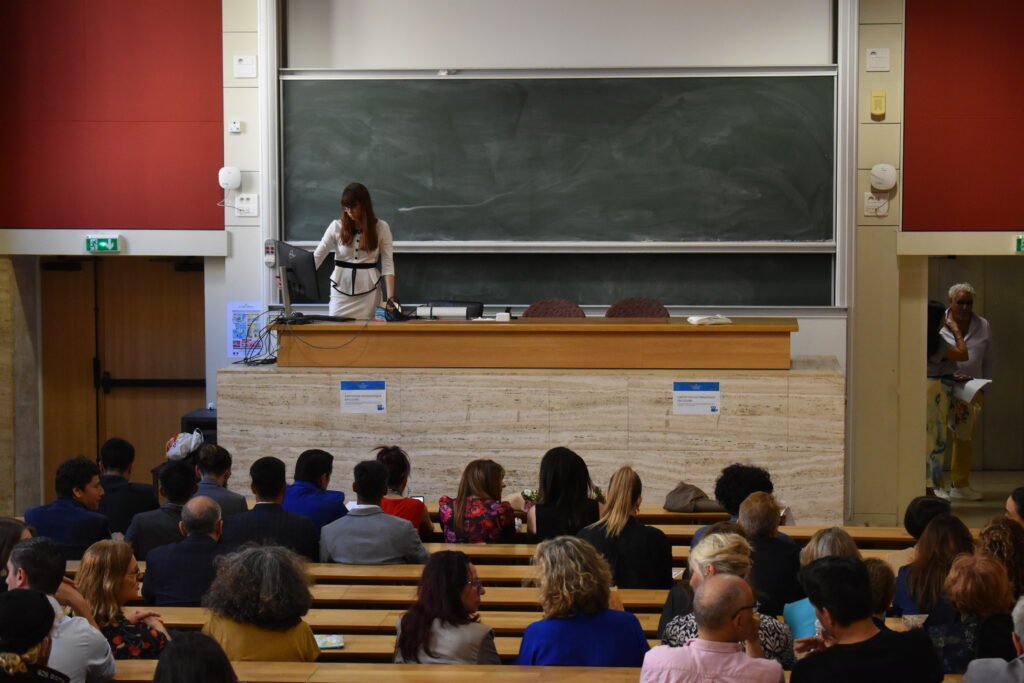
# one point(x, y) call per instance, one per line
point(677, 159)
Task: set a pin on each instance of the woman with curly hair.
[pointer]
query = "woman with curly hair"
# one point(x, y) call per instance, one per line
point(108, 579)
point(1002, 539)
point(257, 603)
point(978, 589)
point(919, 585)
point(442, 626)
point(579, 628)
point(725, 553)
point(477, 514)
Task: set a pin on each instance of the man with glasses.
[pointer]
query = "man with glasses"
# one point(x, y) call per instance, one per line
point(727, 646)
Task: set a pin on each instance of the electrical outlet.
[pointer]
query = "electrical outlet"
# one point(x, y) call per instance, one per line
point(234, 126)
point(246, 205)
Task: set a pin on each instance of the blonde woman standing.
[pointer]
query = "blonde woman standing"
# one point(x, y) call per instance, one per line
point(640, 556)
point(579, 628)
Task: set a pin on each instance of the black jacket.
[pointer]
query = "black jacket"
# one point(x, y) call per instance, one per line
point(123, 499)
point(271, 524)
point(179, 574)
point(640, 557)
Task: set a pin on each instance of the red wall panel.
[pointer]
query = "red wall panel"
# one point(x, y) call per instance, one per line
point(111, 114)
point(963, 140)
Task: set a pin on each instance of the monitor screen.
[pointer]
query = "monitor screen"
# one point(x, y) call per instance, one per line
point(299, 271)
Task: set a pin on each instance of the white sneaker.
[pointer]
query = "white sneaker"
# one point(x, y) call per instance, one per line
point(964, 493)
point(942, 493)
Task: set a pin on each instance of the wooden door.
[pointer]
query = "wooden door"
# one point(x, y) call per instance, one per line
point(140, 365)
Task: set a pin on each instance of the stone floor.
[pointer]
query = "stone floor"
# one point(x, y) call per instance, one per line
point(996, 486)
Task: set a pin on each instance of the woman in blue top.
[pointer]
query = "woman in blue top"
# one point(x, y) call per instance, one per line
point(579, 628)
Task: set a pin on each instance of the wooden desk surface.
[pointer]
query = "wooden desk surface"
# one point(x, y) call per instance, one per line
point(381, 620)
point(587, 343)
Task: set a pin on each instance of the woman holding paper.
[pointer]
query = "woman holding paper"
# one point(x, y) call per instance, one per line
point(977, 335)
point(358, 240)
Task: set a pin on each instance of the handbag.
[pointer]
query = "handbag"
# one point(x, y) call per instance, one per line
point(689, 498)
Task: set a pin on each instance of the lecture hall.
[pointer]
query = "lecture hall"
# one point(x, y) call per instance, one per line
point(545, 339)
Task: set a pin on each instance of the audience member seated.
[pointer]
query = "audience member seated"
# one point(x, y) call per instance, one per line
point(72, 520)
point(919, 584)
point(179, 574)
point(997, 669)
point(309, 496)
point(256, 606)
point(194, 657)
point(725, 553)
point(367, 534)
point(883, 588)
point(640, 556)
point(78, 650)
point(978, 589)
point(108, 579)
point(1015, 506)
point(565, 502)
point(442, 626)
point(26, 619)
point(727, 646)
point(12, 532)
point(1003, 540)
point(800, 616)
point(395, 502)
point(920, 511)
point(732, 487)
point(579, 628)
point(478, 515)
point(778, 559)
point(214, 467)
point(851, 648)
point(679, 602)
point(122, 499)
point(159, 527)
point(268, 522)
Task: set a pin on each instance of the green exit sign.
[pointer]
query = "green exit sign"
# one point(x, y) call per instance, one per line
point(103, 244)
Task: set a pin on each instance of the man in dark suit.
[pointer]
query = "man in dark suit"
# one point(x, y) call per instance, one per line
point(72, 520)
point(179, 574)
point(778, 559)
point(122, 499)
point(309, 496)
point(268, 522)
point(155, 528)
point(214, 469)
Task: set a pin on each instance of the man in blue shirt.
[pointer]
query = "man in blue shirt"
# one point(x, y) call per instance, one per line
point(309, 496)
point(72, 520)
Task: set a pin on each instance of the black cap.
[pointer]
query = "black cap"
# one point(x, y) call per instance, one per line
point(26, 617)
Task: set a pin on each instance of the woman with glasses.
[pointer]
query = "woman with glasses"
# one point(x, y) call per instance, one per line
point(108, 579)
point(358, 240)
point(442, 626)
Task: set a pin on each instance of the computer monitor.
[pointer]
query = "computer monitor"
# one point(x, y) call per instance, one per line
point(298, 275)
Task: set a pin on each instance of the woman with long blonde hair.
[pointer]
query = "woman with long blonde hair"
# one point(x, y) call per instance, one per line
point(108, 578)
point(477, 514)
point(640, 556)
point(579, 628)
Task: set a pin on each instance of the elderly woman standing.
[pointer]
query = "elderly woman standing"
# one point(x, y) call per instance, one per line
point(977, 334)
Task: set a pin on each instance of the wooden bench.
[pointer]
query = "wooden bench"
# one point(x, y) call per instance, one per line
point(649, 514)
point(497, 597)
point(346, 621)
point(141, 671)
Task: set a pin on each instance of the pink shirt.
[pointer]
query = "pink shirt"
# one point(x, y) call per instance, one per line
point(704, 661)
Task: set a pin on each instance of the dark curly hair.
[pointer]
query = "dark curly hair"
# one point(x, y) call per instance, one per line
point(737, 481)
point(1003, 540)
point(266, 586)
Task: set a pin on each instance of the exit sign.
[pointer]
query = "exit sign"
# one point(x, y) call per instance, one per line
point(103, 244)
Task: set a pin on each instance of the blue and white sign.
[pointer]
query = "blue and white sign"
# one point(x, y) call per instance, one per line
point(364, 397)
point(696, 398)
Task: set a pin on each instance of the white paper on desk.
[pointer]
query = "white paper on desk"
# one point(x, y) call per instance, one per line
point(361, 397)
point(965, 391)
point(696, 398)
point(716, 319)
